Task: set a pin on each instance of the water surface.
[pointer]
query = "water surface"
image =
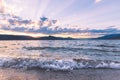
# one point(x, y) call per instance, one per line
point(60, 54)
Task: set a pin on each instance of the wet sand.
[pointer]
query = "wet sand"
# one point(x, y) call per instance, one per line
point(82, 74)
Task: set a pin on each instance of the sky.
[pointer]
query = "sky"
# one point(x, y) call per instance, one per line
point(64, 18)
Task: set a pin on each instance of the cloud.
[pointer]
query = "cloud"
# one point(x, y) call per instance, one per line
point(46, 26)
point(6, 8)
point(2, 6)
point(97, 1)
point(9, 21)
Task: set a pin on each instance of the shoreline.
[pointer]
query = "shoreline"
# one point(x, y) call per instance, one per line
point(40, 74)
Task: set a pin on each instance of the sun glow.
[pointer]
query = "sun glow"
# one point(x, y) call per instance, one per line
point(76, 35)
point(35, 35)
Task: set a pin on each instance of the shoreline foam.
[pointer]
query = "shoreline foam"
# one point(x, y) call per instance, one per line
point(27, 63)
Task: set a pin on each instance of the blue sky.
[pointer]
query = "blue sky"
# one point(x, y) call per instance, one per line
point(70, 14)
point(81, 12)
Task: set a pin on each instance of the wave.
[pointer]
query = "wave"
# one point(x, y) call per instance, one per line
point(69, 49)
point(53, 48)
point(27, 63)
point(102, 45)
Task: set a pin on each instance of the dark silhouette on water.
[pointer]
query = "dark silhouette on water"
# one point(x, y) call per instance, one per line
point(21, 37)
point(111, 36)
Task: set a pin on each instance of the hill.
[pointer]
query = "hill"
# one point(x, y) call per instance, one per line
point(111, 36)
point(21, 37)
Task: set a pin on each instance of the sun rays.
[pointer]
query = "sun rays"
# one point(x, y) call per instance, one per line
point(67, 14)
point(72, 12)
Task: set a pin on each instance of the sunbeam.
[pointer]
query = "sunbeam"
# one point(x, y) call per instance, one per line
point(41, 7)
point(64, 16)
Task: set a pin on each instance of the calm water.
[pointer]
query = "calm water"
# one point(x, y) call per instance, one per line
point(60, 54)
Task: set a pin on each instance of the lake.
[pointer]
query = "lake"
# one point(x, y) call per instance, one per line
point(60, 54)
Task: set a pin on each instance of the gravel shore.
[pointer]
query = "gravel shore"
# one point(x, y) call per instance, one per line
point(82, 74)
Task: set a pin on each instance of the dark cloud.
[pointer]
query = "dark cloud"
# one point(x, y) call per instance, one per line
point(43, 19)
point(57, 30)
point(108, 30)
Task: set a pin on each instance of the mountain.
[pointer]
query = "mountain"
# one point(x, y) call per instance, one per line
point(111, 36)
point(21, 37)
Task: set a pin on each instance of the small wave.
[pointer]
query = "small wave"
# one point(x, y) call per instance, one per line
point(68, 49)
point(102, 50)
point(27, 63)
point(105, 45)
point(52, 48)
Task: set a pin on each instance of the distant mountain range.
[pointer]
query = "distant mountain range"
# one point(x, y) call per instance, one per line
point(21, 37)
point(111, 36)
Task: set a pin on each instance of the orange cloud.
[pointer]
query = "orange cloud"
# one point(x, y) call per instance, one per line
point(5, 8)
point(9, 32)
point(1, 6)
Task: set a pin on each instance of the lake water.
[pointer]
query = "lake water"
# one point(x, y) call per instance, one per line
point(60, 54)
